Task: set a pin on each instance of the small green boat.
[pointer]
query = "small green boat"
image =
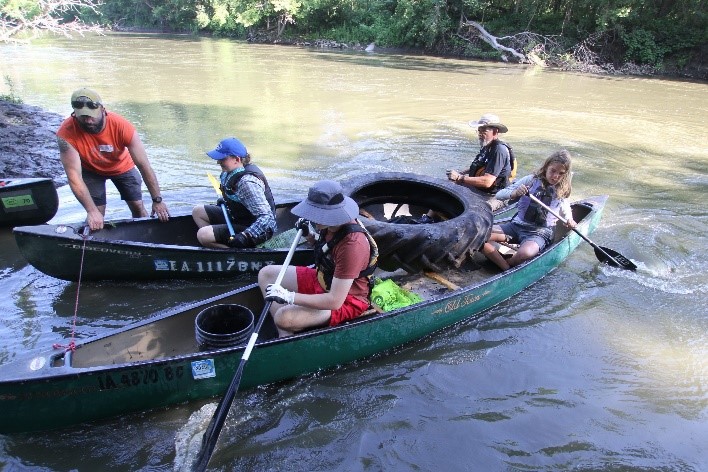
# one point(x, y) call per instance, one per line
point(27, 201)
point(157, 362)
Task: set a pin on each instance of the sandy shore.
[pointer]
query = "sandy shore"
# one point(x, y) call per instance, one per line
point(28, 146)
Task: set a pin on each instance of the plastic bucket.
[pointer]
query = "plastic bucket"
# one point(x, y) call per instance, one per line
point(222, 326)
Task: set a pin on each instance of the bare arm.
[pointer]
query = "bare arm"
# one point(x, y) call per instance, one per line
point(483, 181)
point(72, 166)
point(137, 152)
point(332, 300)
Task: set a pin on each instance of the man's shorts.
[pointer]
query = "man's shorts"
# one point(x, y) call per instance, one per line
point(129, 185)
point(218, 224)
point(307, 283)
point(521, 233)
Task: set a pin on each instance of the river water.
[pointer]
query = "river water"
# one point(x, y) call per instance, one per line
point(593, 368)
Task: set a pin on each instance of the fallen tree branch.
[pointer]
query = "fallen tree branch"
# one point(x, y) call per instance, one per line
point(494, 42)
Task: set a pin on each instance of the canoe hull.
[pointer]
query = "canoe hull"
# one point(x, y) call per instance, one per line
point(56, 389)
point(27, 201)
point(145, 249)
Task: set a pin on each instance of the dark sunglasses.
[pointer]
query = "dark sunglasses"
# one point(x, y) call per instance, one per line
point(80, 105)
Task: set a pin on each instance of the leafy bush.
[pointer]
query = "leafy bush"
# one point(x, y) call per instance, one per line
point(11, 97)
point(642, 48)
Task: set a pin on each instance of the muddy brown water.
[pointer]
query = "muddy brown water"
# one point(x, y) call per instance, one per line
point(593, 368)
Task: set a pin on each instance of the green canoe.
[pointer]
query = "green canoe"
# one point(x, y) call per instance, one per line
point(157, 362)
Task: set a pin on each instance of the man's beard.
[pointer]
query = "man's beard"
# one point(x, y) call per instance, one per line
point(483, 142)
point(93, 128)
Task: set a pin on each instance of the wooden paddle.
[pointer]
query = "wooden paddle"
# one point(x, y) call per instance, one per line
point(603, 254)
point(217, 421)
point(217, 186)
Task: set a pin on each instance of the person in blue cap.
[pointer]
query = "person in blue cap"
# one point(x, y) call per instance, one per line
point(247, 198)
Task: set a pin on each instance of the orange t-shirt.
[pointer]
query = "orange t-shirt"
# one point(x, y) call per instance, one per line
point(105, 153)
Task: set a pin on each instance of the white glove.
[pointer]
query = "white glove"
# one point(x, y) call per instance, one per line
point(276, 293)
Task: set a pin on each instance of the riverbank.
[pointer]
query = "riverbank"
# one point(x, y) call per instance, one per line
point(693, 69)
point(28, 146)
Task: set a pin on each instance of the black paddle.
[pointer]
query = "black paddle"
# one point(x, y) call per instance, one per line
point(603, 254)
point(217, 421)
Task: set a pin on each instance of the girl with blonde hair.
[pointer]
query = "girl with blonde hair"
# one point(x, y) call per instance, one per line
point(532, 227)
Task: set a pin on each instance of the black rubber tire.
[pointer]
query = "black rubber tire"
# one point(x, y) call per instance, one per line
point(421, 247)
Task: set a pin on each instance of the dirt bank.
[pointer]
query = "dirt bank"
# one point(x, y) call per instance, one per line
point(28, 146)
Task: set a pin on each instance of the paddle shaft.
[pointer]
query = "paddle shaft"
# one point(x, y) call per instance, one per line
point(217, 421)
point(215, 184)
point(533, 197)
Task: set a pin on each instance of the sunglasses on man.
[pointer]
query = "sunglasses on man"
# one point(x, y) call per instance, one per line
point(79, 105)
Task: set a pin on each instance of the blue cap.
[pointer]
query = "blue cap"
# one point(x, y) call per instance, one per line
point(228, 147)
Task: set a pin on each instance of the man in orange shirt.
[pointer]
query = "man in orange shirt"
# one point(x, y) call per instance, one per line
point(94, 146)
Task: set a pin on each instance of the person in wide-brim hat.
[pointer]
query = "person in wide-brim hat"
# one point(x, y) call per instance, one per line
point(491, 121)
point(327, 205)
point(491, 170)
point(337, 288)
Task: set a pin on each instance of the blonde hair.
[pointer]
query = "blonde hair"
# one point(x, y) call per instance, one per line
point(561, 157)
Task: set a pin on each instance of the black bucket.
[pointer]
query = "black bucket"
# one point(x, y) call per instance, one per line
point(222, 326)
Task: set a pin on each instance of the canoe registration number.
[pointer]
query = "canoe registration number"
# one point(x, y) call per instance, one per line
point(229, 265)
point(140, 377)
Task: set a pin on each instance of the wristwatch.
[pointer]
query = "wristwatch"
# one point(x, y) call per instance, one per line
point(157, 199)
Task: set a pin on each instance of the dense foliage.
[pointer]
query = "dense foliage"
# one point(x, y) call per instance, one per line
point(651, 33)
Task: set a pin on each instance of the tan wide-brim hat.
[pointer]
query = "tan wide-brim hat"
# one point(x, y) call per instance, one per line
point(490, 120)
point(327, 205)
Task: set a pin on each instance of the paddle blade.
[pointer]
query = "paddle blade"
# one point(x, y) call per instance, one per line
point(615, 259)
point(214, 183)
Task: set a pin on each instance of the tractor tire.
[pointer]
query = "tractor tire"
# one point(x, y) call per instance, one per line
point(466, 225)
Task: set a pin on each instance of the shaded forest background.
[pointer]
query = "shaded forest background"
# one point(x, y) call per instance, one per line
point(611, 36)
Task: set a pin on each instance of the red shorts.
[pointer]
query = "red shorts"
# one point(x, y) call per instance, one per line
point(351, 308)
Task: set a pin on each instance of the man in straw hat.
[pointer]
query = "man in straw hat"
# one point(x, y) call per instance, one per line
point(337, 289)
point(492, 167)
point(95, 146)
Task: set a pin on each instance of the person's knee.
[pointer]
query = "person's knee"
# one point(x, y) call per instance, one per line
point(205, 235)
point(268, 274)
point(526, 251)
point(488, 248)
point(285, 319)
